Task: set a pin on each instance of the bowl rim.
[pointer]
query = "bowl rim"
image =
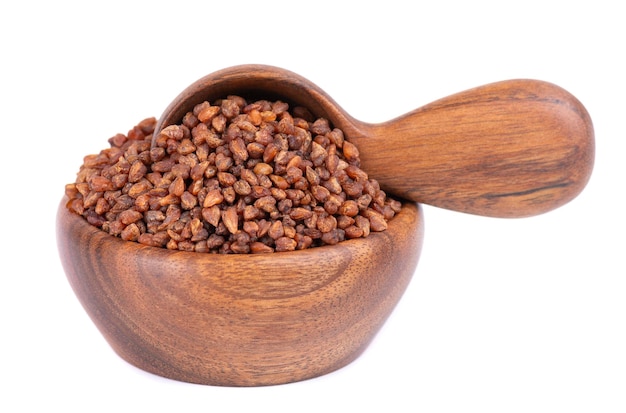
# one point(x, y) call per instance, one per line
point(261, 276)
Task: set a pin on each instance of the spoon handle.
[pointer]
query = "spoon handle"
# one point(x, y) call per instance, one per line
point(508, 149)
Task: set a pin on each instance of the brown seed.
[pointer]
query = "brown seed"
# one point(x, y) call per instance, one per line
point(186, 246)
point(332, 204)
point(255, 150)
point(188, 201)
point(353, 188)
point(181, 170)
point(169, 199)
point(364, 201)
point(163, 166)
point(353, 232)
point(197, 172)
point(212, 215)
point(363, 223)
point(122, 203)
point(276, 230)
point(230, 108)
point(70, 191)
point(240, 247)
point(251, 212)
point(336, 136)
point(186, 147)
point(264, 226)
point(223, 162)
point(357, 173)
point(313, 233)
point(226, 179)
point(332, 237)
point(173, 132)
point(242, 187)
point(195, 226)
point(195, 187)
point(395, 205)
point(344, 221)
point(266, 203)
point(377, 220)
point(268, 116)
point(320, 193)
point(211, 171)
point(119, 180)
point(101, 184)
point(311, 222)
point(278, 194)
point(351, 152)
point(303, 241)
point(332, 162)
point(190, 120)
point(137, 171)
point(300, 213)
point(294, 174)
point(333, 185)
point(265, 181)
point(255, 117)
point(231, 219)
point(320, 127)
point(219, 123)
point(92, 199)
point(229, 194)
point(130, 233)
point(148, 239)
point(213, 197)
point(202, 134)
point(102, 206)
point(142, 202)
point(318, 154)
point(139, 188)
point(129, 216)
point(279, 181)
point(260, 248)
point(238, 148)
point(312, 176)
point(215, 241)
point(326, 223)
point(271, 150)
point(289, 231)
point(156, 154)
point(285, 244)
point(349, 208)
point(264, 136)
point(177, 187)
point(202, 152)
point(208, 113)
point(249, 176)
point(251, 228)
point(262, 169)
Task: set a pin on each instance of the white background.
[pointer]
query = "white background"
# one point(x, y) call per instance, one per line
point(524, 315)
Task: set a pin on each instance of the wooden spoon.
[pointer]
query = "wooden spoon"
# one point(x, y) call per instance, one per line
point(509, 149)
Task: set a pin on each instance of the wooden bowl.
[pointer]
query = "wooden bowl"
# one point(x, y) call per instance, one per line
point(239, 320)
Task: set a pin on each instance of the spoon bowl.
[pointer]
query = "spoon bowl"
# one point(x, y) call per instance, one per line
point(514, 148)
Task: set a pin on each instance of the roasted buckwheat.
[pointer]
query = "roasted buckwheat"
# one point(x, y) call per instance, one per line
point(234, 177)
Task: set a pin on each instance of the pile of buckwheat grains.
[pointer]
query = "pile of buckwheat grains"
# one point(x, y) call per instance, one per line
point(234, 177)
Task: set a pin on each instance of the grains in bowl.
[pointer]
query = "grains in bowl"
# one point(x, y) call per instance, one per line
point(233, 177)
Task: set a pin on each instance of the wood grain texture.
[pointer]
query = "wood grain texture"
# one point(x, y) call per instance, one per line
point(245, 320)
point(509, 149)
